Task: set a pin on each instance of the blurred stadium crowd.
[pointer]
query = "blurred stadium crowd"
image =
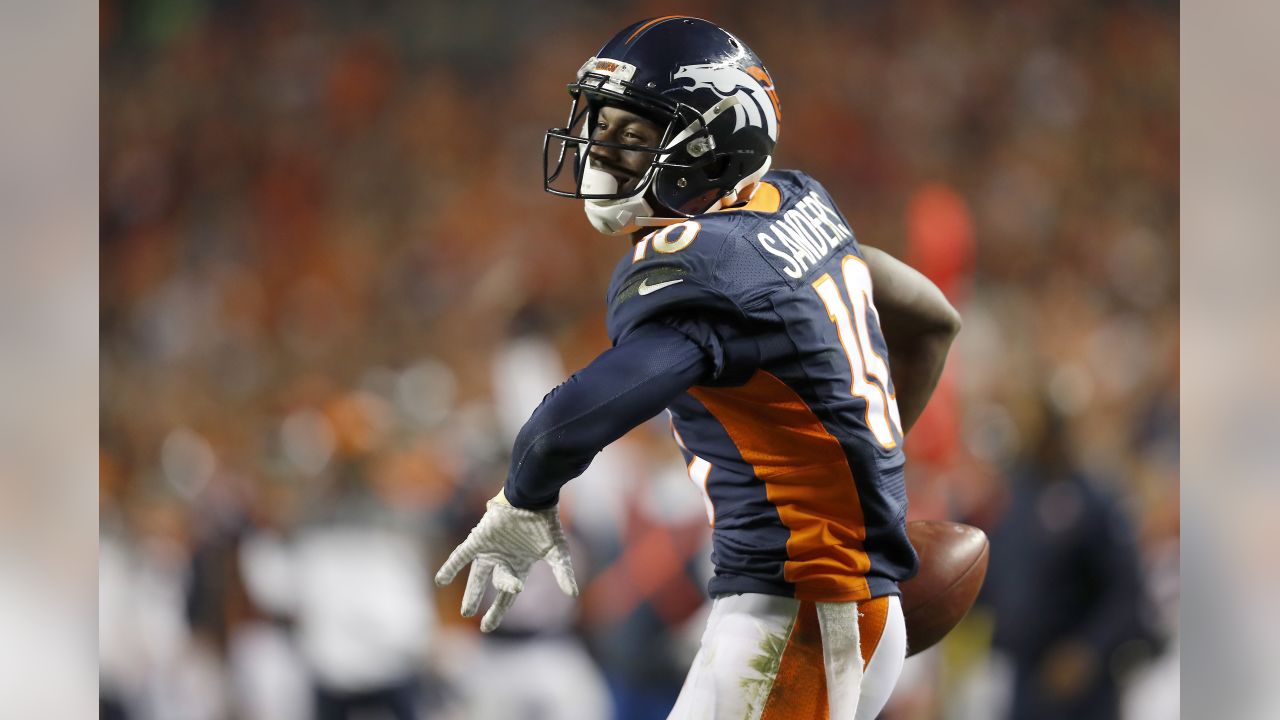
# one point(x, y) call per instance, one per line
point(332, 289)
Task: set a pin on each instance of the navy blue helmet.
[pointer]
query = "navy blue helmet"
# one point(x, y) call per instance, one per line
point(706, 89)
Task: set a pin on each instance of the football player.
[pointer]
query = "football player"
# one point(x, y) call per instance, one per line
point(746, 307)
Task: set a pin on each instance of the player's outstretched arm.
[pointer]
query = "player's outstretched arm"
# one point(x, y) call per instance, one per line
point(919, 326)
point(623, 387)
point(620, 389)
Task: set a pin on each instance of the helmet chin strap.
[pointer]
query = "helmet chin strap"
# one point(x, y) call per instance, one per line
point(626, 215)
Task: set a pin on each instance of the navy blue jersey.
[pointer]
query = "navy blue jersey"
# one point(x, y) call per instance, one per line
point(795, 438)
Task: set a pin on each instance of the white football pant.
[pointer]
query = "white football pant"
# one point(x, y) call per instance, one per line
point(764, 657)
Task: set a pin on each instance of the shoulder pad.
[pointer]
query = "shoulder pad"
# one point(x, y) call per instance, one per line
point(670, 271)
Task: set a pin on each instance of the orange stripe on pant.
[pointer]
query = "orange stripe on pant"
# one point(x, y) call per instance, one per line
point(799, 691)
point(872, 616)
point(806, 477)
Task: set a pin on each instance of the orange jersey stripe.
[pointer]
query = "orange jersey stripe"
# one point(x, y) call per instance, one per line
point(807, 478)
point(650, 24)
point(872, 616)
point(800, 689)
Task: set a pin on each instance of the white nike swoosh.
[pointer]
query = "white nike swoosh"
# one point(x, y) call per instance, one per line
point(646, 288)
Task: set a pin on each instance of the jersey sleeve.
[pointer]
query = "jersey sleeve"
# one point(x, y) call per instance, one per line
point(654, 290)
point(702, 290)
point(620, 389)
point(663, 279)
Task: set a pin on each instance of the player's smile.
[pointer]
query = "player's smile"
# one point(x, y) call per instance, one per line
point(616, 125)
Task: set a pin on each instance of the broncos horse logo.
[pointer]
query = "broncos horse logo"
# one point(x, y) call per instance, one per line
point(758, 104)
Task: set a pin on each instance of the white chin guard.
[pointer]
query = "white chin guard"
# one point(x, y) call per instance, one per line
point(612, 217)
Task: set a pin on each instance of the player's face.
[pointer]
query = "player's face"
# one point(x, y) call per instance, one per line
point(615, 125)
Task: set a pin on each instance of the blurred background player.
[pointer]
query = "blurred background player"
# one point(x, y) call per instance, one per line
point(347, 580)
point(1065, 587)
point(310, 209)
point(750, 316)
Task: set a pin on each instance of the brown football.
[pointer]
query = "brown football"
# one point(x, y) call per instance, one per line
point(953, 563)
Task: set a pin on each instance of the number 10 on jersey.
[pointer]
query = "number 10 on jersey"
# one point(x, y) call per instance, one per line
point(870, 371)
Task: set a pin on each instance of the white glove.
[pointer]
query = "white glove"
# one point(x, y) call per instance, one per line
point(504, 545)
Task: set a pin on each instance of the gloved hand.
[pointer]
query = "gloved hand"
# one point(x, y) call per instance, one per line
point(504, 545)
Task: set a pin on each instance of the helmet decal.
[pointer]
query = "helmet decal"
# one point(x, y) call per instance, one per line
point(757, 105)
point(762, 76)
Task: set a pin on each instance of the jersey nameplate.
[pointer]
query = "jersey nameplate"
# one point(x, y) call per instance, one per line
point(804, 236)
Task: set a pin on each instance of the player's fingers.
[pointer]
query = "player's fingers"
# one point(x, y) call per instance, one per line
point(496, 611)
point(477, 581)
point(458, 559)
point(562, 568)
point(505, 580)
